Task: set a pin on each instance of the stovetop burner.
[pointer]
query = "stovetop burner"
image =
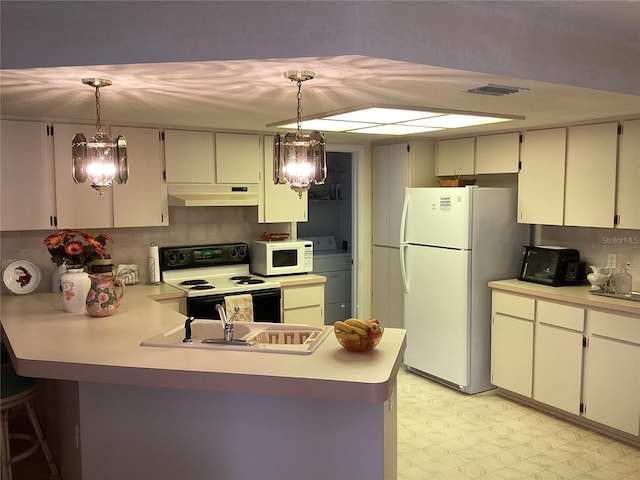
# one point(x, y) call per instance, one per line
point(250, 281)
point(195, 281)
point(211, 270)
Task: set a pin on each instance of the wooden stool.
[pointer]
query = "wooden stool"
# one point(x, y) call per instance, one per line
point(18, 391)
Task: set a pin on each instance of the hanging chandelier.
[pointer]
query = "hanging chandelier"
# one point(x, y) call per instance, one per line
point(299, 159)
point(101, 159)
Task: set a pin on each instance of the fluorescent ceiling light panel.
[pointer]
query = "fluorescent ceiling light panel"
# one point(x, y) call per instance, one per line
point(328, 125)
point(381, 115)
point(458, 121)
point(394, 129)
point(392, 120)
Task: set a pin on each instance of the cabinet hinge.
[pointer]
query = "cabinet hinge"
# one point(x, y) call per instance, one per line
point(164, 175)
point(519, 165)
point(521, 138)
point(161, 136)
point(50, 130)
point(620, 129)
point(616, 219)
point(583, 409)
point(585, 342)
point(408, 147)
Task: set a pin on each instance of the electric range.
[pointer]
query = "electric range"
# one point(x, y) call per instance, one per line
point(208, 273)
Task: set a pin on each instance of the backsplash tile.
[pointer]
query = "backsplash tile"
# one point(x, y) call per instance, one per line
point(188, 226)
point(595, 244)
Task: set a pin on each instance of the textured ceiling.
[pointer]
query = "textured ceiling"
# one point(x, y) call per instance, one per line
point(249, 94)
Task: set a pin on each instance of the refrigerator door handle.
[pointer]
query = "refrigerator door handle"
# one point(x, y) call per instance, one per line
point(403, 268)
point(403, 218)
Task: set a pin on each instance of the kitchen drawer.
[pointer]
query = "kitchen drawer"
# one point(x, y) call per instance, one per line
point(514, 305)
point(620, 327)
point(302, 296)
point(559, 315)
point(305, 316)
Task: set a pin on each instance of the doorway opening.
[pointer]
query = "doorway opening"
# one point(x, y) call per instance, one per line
point(332, 227)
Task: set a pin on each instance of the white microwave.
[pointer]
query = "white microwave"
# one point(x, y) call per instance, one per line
point(281, 258)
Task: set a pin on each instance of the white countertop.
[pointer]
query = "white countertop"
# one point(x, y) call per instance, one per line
point(578, 295)
point(47, 342)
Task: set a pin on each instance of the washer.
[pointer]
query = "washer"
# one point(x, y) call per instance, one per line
point(336, 266)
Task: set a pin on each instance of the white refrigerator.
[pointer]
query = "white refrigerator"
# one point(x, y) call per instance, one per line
point(453, 242)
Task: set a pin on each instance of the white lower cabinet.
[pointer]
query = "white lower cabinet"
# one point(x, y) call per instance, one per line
point(585, 362)
point(512, 342)
point(303, 304)
point(557, 366)
point(612, 373)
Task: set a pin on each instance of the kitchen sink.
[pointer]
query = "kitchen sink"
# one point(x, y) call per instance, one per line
point(248, 337)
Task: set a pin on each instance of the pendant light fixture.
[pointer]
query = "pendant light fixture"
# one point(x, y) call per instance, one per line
point(101, 159)
point(299, 159)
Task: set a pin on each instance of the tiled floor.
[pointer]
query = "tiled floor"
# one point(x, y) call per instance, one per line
point(446, 435)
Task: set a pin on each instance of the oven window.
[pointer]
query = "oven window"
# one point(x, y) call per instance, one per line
point(285, 258)
point(266, 306)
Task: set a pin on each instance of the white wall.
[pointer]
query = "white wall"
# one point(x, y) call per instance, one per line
point(591, 44)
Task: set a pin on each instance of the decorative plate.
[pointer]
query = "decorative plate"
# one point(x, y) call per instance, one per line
point(22, 277)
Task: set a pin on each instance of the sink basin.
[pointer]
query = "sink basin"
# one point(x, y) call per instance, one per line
point(248, 337)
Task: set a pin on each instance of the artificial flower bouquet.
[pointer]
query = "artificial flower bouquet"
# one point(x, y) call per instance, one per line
point(76, 248)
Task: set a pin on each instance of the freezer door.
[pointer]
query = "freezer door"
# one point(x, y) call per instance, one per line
point(437, 216)
point(436, 312)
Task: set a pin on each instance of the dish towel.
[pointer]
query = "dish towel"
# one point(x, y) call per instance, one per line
point(245, 305)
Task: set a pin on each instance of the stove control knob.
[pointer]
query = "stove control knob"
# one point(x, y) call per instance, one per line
point(181, 257)
point(242, 252)
point(233, 253)
point(171, 257)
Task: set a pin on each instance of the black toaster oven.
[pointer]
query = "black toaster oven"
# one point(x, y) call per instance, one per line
point(554, 266)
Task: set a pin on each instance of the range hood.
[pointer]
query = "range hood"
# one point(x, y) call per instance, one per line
point(212, 195)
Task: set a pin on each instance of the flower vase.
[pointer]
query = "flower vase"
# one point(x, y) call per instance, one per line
point(74, 286)
point(55, 278)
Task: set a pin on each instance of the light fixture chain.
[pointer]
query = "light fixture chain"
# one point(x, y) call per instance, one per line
point(299, 111)
point(98, 123)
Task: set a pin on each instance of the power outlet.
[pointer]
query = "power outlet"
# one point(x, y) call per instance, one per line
point(612, 260)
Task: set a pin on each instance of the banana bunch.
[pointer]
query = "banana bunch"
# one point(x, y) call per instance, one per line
point(354, 329)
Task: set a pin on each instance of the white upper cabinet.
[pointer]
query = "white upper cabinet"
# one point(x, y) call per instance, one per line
point(278, 203)
point(628, 193)
point(541, 177)
point(591, 175)
point(238, 158)
point(142, 201)
point(498, 153)
point(27, 200)
point(456, 157)
point(77, 204)
point(189, 156)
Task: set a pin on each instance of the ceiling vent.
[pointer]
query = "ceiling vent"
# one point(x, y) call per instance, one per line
point(496, 90)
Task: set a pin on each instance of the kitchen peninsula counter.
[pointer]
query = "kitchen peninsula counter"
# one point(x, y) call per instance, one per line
point(229, 401)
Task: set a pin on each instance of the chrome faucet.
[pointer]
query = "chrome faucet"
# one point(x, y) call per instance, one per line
point(227, 323)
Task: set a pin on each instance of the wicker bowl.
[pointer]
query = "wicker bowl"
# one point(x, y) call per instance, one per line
point(456, 182)
point(359, 344)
